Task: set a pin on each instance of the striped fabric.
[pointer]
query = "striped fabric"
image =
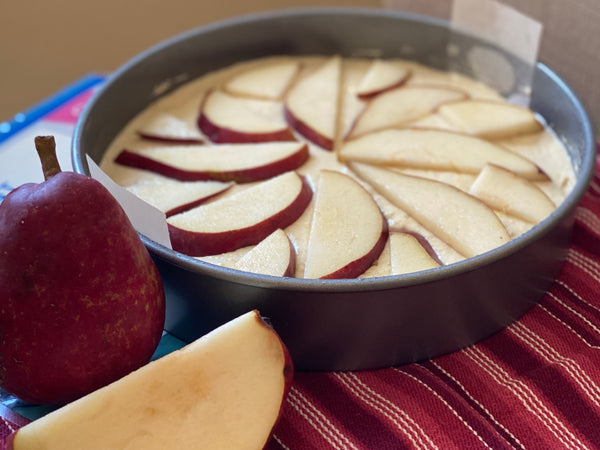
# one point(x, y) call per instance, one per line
point(535, 385)
point(9, 422)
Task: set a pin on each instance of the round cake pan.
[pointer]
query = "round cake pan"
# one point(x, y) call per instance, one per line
point(359, 323)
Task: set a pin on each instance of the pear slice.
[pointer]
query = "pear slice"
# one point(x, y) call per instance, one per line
point(242, 219)
point(408, 254)
point(268, 81)
point(462, 221)
point(168, 128)
point(228, 119)
point(173, 196)
point(224, 390)
point(382, 76)
point(400, 106)
point(312, 104)
point(490, 119)
point(509, 193)
point(225, 162)
point(424, 148)
point(348, 230)
point(275, 256)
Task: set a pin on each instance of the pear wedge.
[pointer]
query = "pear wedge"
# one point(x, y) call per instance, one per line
point(433, 149)
point(490, 119)
point(400, 106)
point(225, 118)
point(224, 390)
point(462, 221)
point(266, 81)
point(382, 76)
point(168, 128)
point(242, 219)
point(312, 104)
point(275, 255)
point(507, 192)
point(348, 230)
point(242, 163)
point(173, 196)
point(408, 254)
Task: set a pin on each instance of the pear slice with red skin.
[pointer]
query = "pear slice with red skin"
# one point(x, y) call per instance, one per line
point(435, 149)
point(408, 254)
point(490, 119)
point(401, 106)
point(462, 221)
point(382, 76)
point(173, 196)
point(242, 163)
point(170, 129)
point(275, 255)
point(348, 230)
point(225, 118)
point(267, 81)
point(242, 219)
point(507, 192)
point(225, 390)
point(312, 104)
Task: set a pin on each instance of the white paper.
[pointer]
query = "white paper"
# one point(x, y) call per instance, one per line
point(145, 218)
point(496, 22)
point(508, 29)
point(493, 21)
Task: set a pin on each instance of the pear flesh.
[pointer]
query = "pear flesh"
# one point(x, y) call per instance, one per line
point(222, 391)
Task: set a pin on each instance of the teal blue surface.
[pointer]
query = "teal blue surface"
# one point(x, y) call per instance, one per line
point(167, 344)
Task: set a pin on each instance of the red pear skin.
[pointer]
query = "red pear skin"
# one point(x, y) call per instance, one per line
point(223, 135)
point(375, 93)
point(307, 131)
point(288, 374)
point(195, 243)
point(169, 140)
point(245, 175)
point(290, 271)
point(423, 241)
point(355, 268)
point(181, 208)
point(81, 301)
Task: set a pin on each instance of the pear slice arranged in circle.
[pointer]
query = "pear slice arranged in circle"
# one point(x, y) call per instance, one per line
point(423, 148)
point(312, 104)
point(490, 119)
point(275, 255)
point(242, 163)
point(348, 230)
point(462, 221)
point(400, 106)
point(242, 219)
point(225, 118)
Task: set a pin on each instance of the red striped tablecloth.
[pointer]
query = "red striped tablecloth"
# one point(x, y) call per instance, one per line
point(534, 385)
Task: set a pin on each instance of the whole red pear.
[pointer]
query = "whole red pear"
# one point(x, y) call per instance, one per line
point(81, 301)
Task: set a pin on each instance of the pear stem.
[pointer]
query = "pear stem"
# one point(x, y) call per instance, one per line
point(46, 148)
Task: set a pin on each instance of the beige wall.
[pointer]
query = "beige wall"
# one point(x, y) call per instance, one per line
point(47, 44)
point(570, 42)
